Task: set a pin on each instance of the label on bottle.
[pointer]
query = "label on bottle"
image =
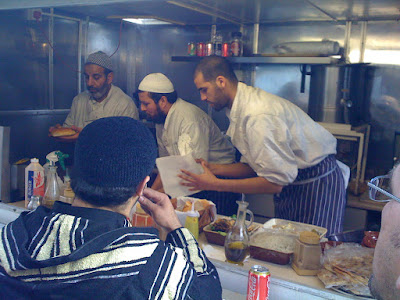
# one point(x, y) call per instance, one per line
point(35, 183)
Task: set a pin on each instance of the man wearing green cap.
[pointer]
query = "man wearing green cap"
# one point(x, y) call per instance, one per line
point(103, 99)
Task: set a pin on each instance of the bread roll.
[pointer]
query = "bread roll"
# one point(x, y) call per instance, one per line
point(63, 131)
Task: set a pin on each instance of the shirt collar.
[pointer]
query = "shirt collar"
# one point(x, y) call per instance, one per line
point(170, 112)
point(233, 113)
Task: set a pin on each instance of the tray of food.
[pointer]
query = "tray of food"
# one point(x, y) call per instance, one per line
point(217, 230)
point(275, 241)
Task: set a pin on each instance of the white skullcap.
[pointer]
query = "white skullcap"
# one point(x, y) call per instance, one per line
point(156, 83)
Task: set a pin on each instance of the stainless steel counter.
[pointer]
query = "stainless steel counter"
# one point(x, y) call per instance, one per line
point(285, 283)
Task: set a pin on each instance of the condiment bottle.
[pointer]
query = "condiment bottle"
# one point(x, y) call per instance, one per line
point(192, 222)
point(140, 218)
point(34, 180)
point(307, 254)
point(237, 240)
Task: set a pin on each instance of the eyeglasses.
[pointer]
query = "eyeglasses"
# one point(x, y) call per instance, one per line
point(378, 187)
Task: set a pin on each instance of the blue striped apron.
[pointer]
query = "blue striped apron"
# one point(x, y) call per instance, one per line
point(317, 196)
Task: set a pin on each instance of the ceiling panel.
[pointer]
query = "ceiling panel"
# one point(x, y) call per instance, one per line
point(197, 12)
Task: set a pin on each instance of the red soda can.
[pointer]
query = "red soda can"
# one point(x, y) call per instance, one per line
point(201, 49)
point(225, 49)
point(209, 49)
point(191, 49)
point(258, 284)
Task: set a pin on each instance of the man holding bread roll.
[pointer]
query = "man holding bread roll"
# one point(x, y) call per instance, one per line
point(102, 99)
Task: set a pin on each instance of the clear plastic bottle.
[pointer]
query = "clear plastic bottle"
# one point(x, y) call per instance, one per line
point(52, 193)
point(236, 44)
point(34, 180)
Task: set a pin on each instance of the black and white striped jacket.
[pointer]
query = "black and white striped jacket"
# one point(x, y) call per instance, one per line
point(84, 253)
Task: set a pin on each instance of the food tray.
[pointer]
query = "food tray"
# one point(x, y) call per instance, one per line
point(213, 237)
point(291, 227)
point(218, 238)
point(273, 256)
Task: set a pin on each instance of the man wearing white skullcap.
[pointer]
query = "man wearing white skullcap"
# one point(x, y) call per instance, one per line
point(183, 128)
point(102, 99)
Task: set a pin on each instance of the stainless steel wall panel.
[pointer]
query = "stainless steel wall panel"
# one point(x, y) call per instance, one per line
point(270, 35)
point(284, 81)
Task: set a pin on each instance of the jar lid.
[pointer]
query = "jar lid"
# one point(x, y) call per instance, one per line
point(309, 237)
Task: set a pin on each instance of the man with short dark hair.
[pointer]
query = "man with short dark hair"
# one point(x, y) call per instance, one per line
point(385, 280)
point(103, 99)
point(184, 128)
point(284, 152)
point(89, 250)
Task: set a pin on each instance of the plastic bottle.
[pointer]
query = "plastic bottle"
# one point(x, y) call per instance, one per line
point(236, 44)
point(52, 193)
point(192, 222)
point(218, 45)
point(34, 180)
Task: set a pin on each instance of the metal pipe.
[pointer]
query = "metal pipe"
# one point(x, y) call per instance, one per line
point(51, 60)
point(346, 45)
point(363, 40)
point(59, 16)
point(80, 57)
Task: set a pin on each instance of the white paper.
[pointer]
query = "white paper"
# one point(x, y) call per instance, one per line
point(170, 166)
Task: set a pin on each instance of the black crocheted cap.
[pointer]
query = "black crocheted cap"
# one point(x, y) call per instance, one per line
point(114, 152)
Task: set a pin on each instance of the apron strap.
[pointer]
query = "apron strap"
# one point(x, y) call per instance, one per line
point(315, 178)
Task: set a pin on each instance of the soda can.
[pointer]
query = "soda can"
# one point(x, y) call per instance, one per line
point(258, 284)
point(225, 49)
point(209, 49)
point(191, 49)
point(200, 49)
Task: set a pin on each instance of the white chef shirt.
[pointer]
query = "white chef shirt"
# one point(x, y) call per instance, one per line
point(274, 136)
point(188, 129)
point(85, 109)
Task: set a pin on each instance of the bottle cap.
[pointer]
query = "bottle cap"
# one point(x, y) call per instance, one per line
point(309, 237)
point(34, 160)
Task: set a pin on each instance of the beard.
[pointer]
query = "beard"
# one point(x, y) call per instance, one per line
point(158, 118)
point(220, 100)
point(99, 93)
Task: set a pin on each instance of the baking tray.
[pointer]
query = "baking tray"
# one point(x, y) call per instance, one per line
point(291, 227)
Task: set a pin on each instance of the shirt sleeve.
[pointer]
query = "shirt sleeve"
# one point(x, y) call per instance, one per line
point(269, 149)
point(205, 283)
point(70, 120)
point(195, 138)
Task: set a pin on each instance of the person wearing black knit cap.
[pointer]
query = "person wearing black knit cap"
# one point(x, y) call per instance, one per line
point(102, 98)
point(89, 250)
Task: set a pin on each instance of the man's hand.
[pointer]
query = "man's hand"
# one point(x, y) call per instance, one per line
point(70, 138)
point(51, 129)
point(160, 208)
point(204, 181)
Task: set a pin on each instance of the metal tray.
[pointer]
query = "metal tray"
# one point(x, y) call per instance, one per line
point(291, 227)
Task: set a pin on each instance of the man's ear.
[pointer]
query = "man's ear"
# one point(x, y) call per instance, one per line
point(221, 81)
point(162, 102)
point(110, 77)
point(142, 185)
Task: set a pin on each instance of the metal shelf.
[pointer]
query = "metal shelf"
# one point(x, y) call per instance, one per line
point(301, 60)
